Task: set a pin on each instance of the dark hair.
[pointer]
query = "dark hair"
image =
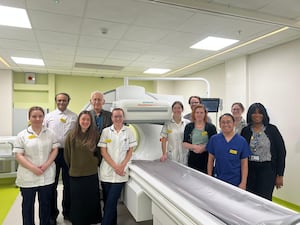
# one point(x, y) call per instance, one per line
point(194, 96)
point(226, 114)
point(34, 108)
point(118, 109)
point(261, 109)
point(239, 104)
point(90, 137)
point(201, 106)
point(179, 103)
point(65, 94)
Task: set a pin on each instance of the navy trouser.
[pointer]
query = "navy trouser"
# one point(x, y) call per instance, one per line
point(261, 179)
point(111, 195)
point(66, 199)
point(44, 197)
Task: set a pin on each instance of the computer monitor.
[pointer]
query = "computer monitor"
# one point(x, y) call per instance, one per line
point(211, 104)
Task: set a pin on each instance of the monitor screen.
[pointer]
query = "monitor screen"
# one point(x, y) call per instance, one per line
point(211, 104)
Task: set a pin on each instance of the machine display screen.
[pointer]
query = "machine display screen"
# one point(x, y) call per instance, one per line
point(211, 104)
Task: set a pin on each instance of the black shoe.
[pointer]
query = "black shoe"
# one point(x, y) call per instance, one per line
point(53, 222)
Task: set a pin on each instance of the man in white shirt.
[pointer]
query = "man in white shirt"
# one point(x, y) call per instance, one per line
point(61, 121)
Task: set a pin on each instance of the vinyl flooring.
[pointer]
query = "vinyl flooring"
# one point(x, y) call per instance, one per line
point(14, 217)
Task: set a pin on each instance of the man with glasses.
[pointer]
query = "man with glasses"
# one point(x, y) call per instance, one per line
point(193, 102)
point(61, 121)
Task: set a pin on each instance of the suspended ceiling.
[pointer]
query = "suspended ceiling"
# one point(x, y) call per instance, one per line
point(120, 38)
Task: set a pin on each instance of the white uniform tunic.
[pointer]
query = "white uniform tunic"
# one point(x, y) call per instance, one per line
point(117, 145)
point(36, 149)
point(174, 134)
point(61, 123)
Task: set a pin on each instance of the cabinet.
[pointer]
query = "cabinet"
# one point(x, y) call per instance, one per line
point(8, 164)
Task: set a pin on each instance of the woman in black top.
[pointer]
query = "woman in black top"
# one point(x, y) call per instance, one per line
point(267, 162)
point(196, 136)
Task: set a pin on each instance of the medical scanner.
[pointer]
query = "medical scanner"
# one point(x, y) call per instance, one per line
point(170, 193)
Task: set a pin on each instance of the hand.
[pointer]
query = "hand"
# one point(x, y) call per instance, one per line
point(37, 170)
point(119, 169)
point(279, 182)
point(199, 148)
point(242, 186)
point(163, 157)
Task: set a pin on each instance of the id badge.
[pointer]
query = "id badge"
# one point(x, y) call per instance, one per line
point(254, 158)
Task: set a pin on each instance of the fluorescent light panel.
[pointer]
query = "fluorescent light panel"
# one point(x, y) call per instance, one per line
point(28, 61)
point(214, 43)
point(156, 71)
point(14, 17)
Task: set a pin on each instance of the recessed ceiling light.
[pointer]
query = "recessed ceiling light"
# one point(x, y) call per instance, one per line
point(14, 17)
point(28, 61)
point(213, 43)
point(156, 71)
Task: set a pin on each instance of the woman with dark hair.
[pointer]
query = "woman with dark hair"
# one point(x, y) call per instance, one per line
point(172, 136)
point(267, 162)
point(81, 156)
point(229, 153)
point(196, 136)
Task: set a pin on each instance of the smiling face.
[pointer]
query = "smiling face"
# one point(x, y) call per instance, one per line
point(226, 124)
point(236, 110)
point(199, 114)
point(36, 117)
point(62, 102)
point(97, 101)
point(117, 117)
point(85, 122)
point(177, 110)
point(257, 117)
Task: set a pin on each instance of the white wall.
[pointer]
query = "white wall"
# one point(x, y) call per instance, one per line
point(274, 78)
point(6, 100)
point(271, 77)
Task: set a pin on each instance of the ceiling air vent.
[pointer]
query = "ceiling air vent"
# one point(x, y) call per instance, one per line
point(98, 66)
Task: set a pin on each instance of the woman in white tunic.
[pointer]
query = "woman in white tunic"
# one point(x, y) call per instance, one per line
point(117, 143)
point(172, 136)
point(36, 148)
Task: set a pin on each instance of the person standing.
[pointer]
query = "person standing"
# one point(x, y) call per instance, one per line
point(35, 150)
point(117, 143)
point(101, 117)
point(193, 102)
point(237, 109)
point(82, 159)
point(172, 136)
point(61, 121)
point(267, 162)
point(228, 153)
point(196, 136)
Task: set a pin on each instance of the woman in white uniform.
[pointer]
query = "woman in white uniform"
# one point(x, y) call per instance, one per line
point(35, 149)
point(172, 136)
point(116, 142)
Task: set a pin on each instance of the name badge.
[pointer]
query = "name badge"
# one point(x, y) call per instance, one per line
point(254, 158)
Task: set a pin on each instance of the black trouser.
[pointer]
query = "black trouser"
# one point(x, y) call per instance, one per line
point(261, 179)
point(44, 194)
point(61, 165)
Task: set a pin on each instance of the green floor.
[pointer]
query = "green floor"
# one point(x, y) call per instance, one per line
point(8, 194)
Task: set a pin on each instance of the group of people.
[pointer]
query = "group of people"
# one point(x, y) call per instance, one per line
point(80, 146)
point(249, 154)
